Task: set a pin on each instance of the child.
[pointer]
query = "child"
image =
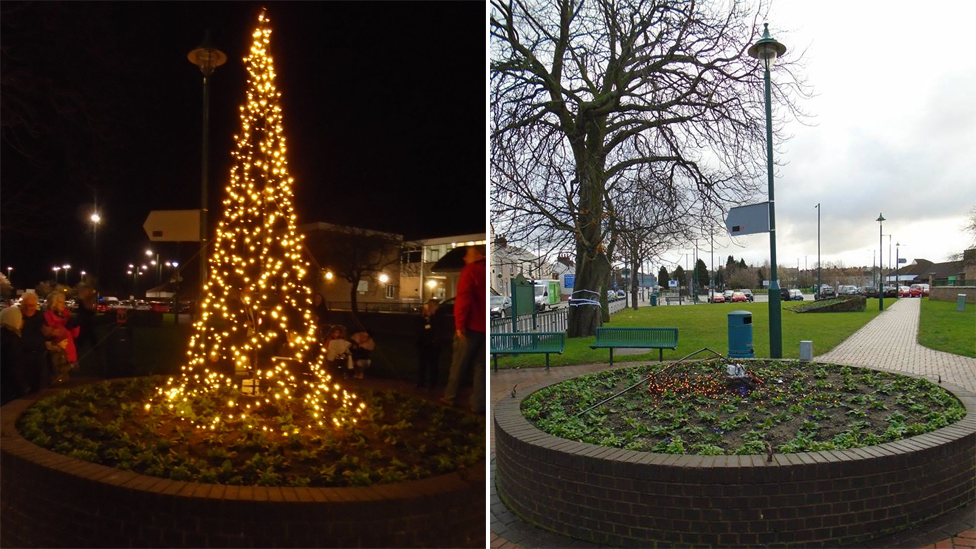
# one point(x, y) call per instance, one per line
point(337, 350)
point(362, 346)
point(428, 345)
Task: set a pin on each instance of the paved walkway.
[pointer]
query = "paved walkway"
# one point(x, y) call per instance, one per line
point(888, 342)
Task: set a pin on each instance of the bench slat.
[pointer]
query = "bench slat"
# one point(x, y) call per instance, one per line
point(527, 343)
point(636, 338)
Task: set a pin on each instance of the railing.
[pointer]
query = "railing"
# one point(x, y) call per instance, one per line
point(617, 306)
point(549, 321)
point(377, 307)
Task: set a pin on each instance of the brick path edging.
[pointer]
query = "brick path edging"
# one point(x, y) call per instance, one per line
point(626, 498)
point(51, 500)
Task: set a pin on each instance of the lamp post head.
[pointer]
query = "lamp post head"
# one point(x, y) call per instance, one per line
point(766, 49)
point(880, 218)
point(206, 56)
point(95, 218)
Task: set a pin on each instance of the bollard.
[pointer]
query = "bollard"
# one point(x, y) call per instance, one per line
point(806, 351)
point(960, 303)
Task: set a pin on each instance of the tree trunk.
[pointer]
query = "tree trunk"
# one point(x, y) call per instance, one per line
point(584, 319)
point(352, 295)
point(634, 281)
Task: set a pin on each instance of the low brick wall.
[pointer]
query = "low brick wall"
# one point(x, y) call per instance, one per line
point(51, 500)
point(949, 293)
point(636, 499)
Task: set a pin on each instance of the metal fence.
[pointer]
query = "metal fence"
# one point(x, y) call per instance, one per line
point(549, 321)
point(382, 307)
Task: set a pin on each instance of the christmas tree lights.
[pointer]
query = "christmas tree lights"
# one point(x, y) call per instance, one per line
point(256, 304)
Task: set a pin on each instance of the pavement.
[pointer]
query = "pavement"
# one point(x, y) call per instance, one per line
point(887, 343)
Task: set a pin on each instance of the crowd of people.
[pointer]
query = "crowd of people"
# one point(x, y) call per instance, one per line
point(40, 348)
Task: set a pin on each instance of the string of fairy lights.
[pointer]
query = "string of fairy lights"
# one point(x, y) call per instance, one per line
point(257, 265)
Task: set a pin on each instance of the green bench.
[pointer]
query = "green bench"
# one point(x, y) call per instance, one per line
point(527, 343)
point(636, 338)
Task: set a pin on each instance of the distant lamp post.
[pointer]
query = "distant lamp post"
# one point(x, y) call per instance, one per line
point(95, 220)
point(817, 294)
point(384, 279)
point(154, 263)
point(207, 58)
point(880, 221)
point(897, 263)
point(329, 275)
point(66, 269)
point(56, 269)
point(8, 272)
point(766, 50)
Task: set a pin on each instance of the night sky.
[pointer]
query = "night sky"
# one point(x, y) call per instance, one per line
point(383, 108)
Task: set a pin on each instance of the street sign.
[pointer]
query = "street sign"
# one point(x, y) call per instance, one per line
point(902, 260)
point(751, 219)
point(173, 226)
point(672, 283)
point(569, 280)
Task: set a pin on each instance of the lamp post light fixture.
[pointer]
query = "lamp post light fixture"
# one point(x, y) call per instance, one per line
point(383, 278)
point(56, 269)
point(8, 272)
point(766, 50)
point(207, 58)
point(880, 221)
point(897, 263)
point(329, 275)
point(66, 269)
point(95, 220)
point(155, 263)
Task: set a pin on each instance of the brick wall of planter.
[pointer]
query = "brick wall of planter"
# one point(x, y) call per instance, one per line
point(50, 500)
point(636, 499)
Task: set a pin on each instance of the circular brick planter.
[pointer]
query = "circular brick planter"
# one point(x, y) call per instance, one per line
point(636, 499)
point(51, 500)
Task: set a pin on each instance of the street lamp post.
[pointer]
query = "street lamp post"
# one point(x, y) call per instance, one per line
point(817, 295)
point(8, 273)
point(95, 220)
point(56, 269)
point(880, 221)
point(66, 268)
point(207, 58)
point(766, 50)
point(897, 263)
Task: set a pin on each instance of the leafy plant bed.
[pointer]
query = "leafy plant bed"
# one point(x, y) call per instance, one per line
point(396, 438)
point(789, 406)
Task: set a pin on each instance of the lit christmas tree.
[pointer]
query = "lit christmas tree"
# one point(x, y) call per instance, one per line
point(256, 325)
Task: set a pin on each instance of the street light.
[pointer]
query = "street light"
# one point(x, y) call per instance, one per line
point(207, 58)
point(766, 50)
point(95, 220)
point(817, 295)
point(155, 263)
point(880, 221)
point(8, 272)
point(897, 263)
point(66, 267)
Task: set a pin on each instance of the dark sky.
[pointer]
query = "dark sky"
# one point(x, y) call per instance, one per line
point(383, 110)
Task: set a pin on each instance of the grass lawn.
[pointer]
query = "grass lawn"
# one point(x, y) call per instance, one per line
point(943, 329)
point(706, 325)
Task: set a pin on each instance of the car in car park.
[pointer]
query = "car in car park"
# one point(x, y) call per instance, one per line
point(748, 293)
point(890, 291)
point(739, 297)
point(904, 291)
point(718, 298)
point(500, 306)
point(846, 289)
point(826, 292)
point(159, 306)
point(796, 295)
point(727, 294)
point(919, 290)
point(868, 291)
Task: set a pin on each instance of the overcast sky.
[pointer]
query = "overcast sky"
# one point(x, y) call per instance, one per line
point(894, 132)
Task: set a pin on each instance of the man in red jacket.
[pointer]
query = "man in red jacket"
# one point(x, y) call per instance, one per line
point(469, 321)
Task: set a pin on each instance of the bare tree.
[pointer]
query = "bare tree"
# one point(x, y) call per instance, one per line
point(354, 254)
point(586, 94)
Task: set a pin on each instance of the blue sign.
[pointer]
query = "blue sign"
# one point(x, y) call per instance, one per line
point(673, 283)
point(569, 280)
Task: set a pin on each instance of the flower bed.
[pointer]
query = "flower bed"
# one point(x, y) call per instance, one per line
point(787, 407)
point(827, 498)
point(394, 438)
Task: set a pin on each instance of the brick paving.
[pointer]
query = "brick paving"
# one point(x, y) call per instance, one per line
point(888, 342)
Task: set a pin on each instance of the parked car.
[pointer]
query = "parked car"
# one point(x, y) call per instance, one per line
point(847, 290)
point(890, 291)
point(868, 291)
point(739, 297)
point(919, 290)
point(826, 292)
point(748, 293)
point(102, 308)
point(500, 306)
point(159, 307)
point(127, 304)
point(727, 294)
point(904, 291)
point(621, 294)
point(796, 295)
point(718, 298)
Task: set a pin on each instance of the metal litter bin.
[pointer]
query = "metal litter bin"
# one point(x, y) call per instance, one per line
point(960, 302)
point(653, 300)
point(740, 335)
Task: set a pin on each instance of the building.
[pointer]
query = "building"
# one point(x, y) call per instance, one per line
point(508, 261)
point(419, 281)
point(948, 273)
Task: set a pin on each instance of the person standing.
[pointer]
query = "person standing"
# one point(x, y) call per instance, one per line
point(469, 323)
point(34, 335)
point(428, 346)
point(13, 357)
point(62, 334)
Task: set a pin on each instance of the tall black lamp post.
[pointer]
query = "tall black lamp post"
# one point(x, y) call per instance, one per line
point(207, 58)
point(766, 50)
point(880, 221)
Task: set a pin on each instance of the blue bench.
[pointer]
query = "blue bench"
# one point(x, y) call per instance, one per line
point(526, 343)
point(636, 338)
